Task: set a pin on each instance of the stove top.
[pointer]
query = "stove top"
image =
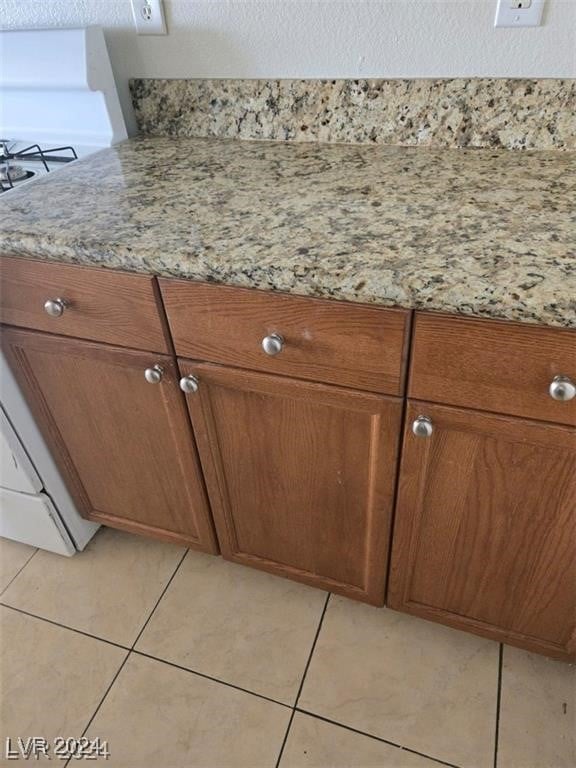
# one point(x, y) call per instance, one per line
point(21, 162)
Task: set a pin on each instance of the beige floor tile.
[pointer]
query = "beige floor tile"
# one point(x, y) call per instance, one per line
point(157, 715)
point(537, 712)
point(412, 682)
point(52, 679)
point(236, 624)
point(313, 743)
point(13, 556)
point(108, 590)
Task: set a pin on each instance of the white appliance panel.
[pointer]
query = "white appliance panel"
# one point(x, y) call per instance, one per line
point(56, 89)
point(80, 530)
point(17, 472)
point(58, 86)
point(33, 520)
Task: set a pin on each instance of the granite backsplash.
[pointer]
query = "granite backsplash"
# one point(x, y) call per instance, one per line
point(483, 112)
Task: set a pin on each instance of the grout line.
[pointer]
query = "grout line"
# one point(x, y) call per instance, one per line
point(312, 649)
point(19, 571)
point(157, 603)
point(498, 702)
point(209, 677)
point(106, 692)
point(301, 686)
point(372, 736)
point(429, 757)
point(130, 650)
point(285, 739)
point(65, 626)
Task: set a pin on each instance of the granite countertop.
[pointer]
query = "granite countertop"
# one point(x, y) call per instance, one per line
point(490, 233)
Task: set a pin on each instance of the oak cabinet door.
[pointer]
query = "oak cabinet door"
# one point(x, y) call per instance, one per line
point(485, 528)
point(300, 475)
point(124, 446)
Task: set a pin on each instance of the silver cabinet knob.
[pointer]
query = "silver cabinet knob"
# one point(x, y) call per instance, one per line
point(189, 384)
point(422, 426)
point(562, 388)
point(55, 307)
point(153, 375)
point(273, 344)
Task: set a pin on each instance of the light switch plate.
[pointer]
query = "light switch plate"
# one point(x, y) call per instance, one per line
point(149, 17)
point(519, 13)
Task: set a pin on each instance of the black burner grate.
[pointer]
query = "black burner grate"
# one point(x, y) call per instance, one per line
point(33, 153)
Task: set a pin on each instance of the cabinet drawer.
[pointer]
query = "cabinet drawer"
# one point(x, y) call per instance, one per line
point(351, 345)
point(493, 366)
point(101, 305)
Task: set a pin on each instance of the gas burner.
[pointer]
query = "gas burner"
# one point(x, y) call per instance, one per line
point(10, 173)
point(13, 173)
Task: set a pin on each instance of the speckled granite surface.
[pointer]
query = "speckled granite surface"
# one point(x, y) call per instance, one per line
point(481, 232)
point(514, 114)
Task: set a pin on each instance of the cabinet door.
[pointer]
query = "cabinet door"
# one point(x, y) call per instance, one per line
point(300, 475)
point(485, 529)
point(124, 446)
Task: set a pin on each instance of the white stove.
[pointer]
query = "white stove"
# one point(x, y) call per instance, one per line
point(58, 103)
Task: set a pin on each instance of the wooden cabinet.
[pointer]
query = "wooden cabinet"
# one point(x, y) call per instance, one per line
point(485, 528)
point(124, 445)
point(298, 439)
point(300, 475)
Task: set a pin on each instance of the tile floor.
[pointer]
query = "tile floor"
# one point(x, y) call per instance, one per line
point(182, 660)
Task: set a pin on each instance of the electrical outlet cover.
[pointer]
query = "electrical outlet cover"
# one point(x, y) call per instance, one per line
point(519, 13)
point(149, 17)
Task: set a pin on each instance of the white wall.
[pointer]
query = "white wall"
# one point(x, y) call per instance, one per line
point(318, 38)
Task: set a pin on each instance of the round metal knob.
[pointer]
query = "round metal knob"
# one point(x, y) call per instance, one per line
point(189, 384)
point(54, 307)
point(562, 388)
point(273, 344)
point(153, 375)
point(422, 426)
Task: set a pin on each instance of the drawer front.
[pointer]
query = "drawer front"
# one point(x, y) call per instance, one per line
point(100, 305)
point(493, 366)
point(350, 345)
